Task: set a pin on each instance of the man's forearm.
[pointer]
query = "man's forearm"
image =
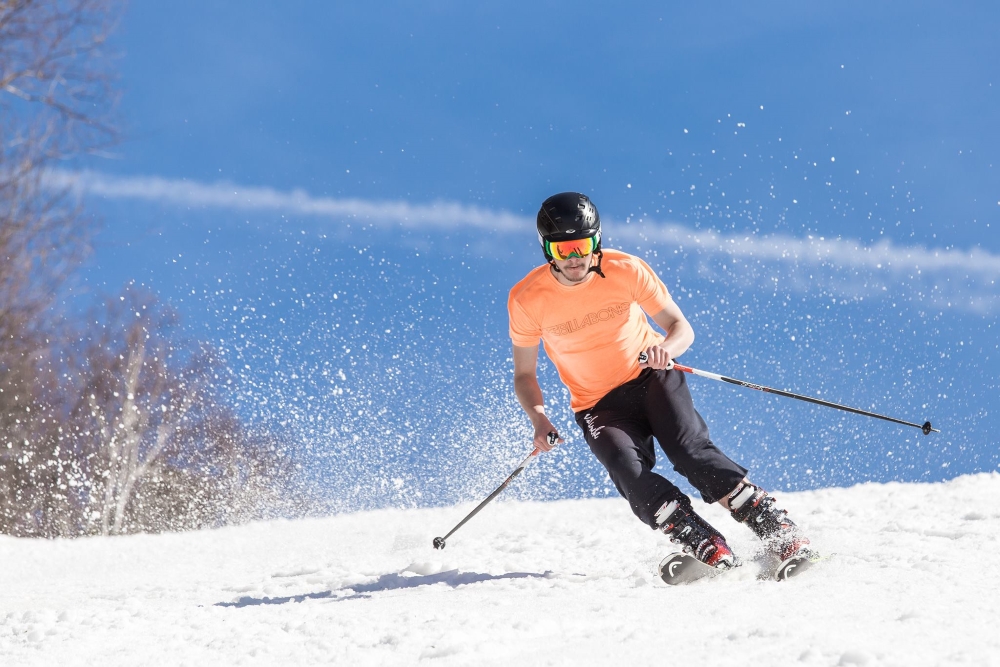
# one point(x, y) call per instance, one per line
point(679, 332)
point(679, 339)
point(529, 395)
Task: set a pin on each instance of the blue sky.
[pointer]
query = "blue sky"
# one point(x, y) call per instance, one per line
point(339, 196)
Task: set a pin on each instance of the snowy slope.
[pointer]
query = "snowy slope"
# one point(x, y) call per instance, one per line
point(914, 580)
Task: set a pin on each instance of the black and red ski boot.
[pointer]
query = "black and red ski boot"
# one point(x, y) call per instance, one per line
point(754, 507)
point(678, 520)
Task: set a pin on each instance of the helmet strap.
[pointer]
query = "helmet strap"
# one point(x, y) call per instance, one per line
point(596, 268)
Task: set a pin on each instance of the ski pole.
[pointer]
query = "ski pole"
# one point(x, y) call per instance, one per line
point(926, 427)
point(528, 460)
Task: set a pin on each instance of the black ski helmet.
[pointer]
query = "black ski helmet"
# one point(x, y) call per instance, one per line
point(569, 216)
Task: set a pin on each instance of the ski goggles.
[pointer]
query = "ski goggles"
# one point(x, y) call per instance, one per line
point(575, 248)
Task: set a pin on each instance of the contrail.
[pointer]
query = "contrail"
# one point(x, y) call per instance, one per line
point(237, 197)
point(963, 278)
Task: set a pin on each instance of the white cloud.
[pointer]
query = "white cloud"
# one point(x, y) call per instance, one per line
point(964, 279)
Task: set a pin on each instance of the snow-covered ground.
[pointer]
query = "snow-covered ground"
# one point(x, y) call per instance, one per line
point(913, 579)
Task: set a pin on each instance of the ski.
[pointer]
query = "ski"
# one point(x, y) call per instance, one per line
point(680, 568)
point(795, 565)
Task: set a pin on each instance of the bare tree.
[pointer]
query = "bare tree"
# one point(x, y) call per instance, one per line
point(152, 426)
point(120, 423)
point(56, 101)
point(56, 77)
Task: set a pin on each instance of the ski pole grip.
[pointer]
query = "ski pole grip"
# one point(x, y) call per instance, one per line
point(552, 437)
point(643, 358)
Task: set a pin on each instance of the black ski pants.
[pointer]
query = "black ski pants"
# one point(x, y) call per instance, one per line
point(620, 431)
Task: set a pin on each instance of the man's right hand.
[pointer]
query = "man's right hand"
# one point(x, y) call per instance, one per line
point(542, 430)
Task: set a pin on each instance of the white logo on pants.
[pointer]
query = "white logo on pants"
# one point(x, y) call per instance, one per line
point(595, 431)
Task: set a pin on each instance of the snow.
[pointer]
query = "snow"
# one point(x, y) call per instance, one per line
point(912, 579)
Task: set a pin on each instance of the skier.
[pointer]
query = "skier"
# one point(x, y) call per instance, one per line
point(586, 304)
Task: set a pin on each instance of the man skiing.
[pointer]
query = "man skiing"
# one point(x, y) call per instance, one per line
point(589, 306)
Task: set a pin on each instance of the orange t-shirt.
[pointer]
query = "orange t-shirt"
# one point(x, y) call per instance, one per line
point(593, 332)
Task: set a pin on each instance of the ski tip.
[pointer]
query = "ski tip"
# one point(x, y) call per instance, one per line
point(794, 566)
point(680, 568)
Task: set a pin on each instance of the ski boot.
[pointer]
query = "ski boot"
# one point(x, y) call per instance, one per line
point(677, 519)
point(753, 506)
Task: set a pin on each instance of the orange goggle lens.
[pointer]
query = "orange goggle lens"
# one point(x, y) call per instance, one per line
point(575, 248)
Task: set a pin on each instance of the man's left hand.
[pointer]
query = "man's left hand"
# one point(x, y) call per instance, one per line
point(657, 358)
